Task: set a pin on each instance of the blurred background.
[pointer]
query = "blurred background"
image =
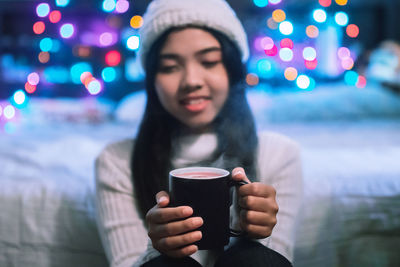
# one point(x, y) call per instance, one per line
point(46, 46)
point(326, 73)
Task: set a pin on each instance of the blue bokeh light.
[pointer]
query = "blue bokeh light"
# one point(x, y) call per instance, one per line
point(67, 30)
point(62, 3)
point(46, 44)
point(42, 10)
point(78, 69)
point(341, 18)
point(319, 15)
point(286, 27)
point(109, 5)
point(109, 74)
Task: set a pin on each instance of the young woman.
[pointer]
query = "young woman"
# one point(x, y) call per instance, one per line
point(196, 114)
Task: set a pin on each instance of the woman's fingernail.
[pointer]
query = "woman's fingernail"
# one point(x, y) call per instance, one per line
point(238, 172)
point(197, 221)
point(187, 211)
point(162, 199)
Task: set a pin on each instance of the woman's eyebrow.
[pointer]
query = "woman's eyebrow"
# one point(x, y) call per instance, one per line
point(208, 50)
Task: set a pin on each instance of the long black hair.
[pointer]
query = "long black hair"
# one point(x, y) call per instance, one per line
point(234, 126)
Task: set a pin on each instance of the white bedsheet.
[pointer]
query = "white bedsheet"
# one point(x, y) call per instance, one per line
point(350, 214)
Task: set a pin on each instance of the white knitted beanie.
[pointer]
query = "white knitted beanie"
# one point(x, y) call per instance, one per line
point(162, 15)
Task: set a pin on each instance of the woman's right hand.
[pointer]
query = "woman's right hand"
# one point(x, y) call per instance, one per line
point(170, 230)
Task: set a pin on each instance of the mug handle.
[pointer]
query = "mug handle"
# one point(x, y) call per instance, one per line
point(236, 233)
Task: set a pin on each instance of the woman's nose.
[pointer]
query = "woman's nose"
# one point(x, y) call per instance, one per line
point(192, 78)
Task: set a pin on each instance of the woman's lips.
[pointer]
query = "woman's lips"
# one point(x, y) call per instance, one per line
point(195, 104)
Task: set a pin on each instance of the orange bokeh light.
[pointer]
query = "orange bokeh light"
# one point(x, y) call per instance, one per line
point(136, 22)
point(352, 30)
point(39, 27)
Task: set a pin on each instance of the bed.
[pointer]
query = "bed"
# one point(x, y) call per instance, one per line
point(350, 143)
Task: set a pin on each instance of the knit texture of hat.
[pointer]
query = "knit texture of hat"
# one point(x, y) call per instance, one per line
point(162, 15)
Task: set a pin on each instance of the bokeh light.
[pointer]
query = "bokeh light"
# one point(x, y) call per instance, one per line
point(325, 3)
point(278, 15)
point(309, 53)
point(319, 15)
point(352, 30)
point(109, 5)
point(33, 78)
point(343, 53)
point(341, 18)
point(77, 69)
point(252, 79)
point(347, 63)
point(55, 16)
point(9, 112)
point(133, 42)
point(260, 3)
point(264, 68)
point(303, 81)
point(62, 3)
point(311, 64)
point(29, 88)
point(286, 27)
point(275, 2)
point(351, 77)
point(106, 39)
point(312, 31)
point(44, 57)
point(341, 2)
point(290, 74)
point(136, 22)
point(113, 58)
point(361, 82)
point(85, 77)
point(1, 110)
point(109, 74)
point(94, 87)
point(286, 43)
point(39, 27)
point(272, 24)
point(67, 30)
point(286, 54)
point(271, 52)
point(267, 43)
point(122, 6)
point(19, 98)
point(46, 44)
point(42, 10)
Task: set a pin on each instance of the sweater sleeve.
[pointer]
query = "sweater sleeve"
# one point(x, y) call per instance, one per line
point(122, 231)
point(280, 166)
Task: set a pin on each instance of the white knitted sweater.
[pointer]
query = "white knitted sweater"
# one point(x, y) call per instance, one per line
point(123, 233)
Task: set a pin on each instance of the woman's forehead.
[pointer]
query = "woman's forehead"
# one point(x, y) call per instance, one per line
point(191, 40)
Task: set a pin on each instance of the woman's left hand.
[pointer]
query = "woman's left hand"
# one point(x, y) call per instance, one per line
point(257, 205)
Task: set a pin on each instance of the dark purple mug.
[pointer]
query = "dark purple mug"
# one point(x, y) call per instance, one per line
point(207, 191)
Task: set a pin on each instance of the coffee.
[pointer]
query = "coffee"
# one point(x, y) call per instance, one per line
point(207, 191)
point(198, 175)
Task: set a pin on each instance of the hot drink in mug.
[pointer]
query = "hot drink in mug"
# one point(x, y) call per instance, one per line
point(207, 191)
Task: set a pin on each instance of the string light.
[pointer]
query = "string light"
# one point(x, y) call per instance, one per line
point(286, 27)
point(352, 30)
point(39, 27)
point(133, 42)
point(325, 3)
point(303, 81)
point(9, 112)
point(278, 15)
point(286, 54)
point(122, 6)
point(44, 57)
point(62, 3)
point(267, 43)
point(67, 30)
point(55, 16)
point(33, 78)
point(109, 5)
point(290, 74)
point(312, 31)
point(319, 15)
point(113, 58)
point(252, 79)
point(341, 18)
point(341, 2)
point(29, 88)
point(42, 10)
point(260, 3)
point(309, 53)
point(271, 52)
point(136, 22)
point(286, 43)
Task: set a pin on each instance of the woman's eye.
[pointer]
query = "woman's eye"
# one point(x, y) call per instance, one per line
point(167, 69)
point(210, 64)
